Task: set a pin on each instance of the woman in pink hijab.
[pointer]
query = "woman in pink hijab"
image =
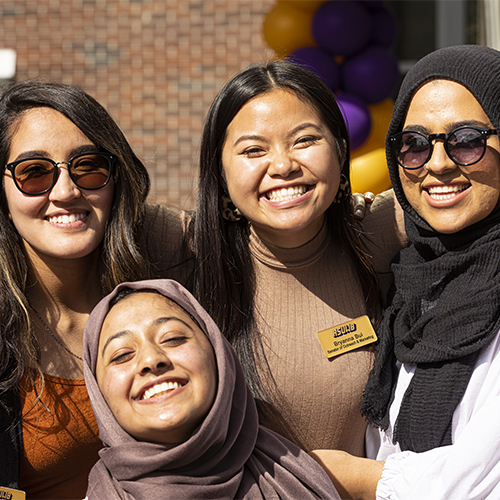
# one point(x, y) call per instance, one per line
point(174, 412)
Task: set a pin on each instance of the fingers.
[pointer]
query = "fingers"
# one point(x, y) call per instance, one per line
point(369, 197)
point(359, 205)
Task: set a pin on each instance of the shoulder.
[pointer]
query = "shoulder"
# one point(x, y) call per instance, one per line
point(385, 210)
point(166, 235)
point(102, 485)
point(160, 214)
point(383, 231)
point(165, 227)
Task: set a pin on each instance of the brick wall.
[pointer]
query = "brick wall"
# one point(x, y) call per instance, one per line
point(154, 64)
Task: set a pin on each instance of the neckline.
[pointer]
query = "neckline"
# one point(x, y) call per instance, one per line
point(54, 379)
point(281, 258)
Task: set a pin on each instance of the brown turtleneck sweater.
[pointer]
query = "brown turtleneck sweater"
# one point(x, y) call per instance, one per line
point(304, 290)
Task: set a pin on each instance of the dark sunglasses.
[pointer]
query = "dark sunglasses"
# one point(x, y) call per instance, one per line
point(464, 145)
point(34, 176)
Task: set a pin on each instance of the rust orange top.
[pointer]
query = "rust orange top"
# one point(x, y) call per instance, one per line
point(60, 439)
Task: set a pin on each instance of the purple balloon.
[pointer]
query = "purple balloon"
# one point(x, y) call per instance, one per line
point(341, 28)
point(320, 63)
point(371, 75)
point(385, 28)
point(357, 117)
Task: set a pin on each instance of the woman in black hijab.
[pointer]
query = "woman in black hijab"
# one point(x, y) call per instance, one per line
point(433, 395)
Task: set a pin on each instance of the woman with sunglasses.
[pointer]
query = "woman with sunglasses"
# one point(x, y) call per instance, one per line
point(433, 395)
point(73, 224)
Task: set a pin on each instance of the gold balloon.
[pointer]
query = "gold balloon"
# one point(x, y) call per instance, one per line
point(287, 28)
point(370, 173)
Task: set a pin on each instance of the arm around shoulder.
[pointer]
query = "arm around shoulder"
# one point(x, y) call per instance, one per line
point(166, 235)
point(383, 227)
point(353, 477)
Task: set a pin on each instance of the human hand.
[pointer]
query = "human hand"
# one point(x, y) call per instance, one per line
point(359, 202)
point(353, 477)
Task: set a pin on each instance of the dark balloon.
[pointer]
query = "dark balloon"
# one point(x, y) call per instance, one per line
point(342, 28)
point(371, 75)
point(319, 62)
point(357, 117)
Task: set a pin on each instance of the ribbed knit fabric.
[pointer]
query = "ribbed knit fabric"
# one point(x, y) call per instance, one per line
point(446, 305)
point(165, 230)
point(304, 290)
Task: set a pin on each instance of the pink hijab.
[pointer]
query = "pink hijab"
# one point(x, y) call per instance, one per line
point(228, 456)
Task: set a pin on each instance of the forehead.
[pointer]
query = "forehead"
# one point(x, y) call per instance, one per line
point(444, 100)
point(42, 116)
point(262, 109)
point(139, 310)
point(42, 128)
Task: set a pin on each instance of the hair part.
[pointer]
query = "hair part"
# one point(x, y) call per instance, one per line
point(225, 281)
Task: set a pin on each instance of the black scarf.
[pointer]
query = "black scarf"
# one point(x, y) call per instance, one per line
point(445, 305)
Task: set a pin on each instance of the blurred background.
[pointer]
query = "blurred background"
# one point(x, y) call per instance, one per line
point(156, 65)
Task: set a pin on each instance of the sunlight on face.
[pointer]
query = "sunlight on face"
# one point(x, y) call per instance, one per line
point(282, 167)
point(448, 196)
point(67, 222)
point(155, 368)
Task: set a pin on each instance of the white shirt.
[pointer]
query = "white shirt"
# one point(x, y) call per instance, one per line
point(469, 468)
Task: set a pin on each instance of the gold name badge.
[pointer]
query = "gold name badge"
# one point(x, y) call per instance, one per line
point(10, 494)
point(347, 336)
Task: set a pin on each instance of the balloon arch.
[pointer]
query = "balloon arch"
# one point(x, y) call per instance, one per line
point(348, 45)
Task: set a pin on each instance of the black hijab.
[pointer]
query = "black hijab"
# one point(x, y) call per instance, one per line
point(445, 305)
point(228, 456)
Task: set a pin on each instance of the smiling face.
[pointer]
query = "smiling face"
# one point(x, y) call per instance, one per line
point(155, 368)
point(282, 167)
point(67, 222)
point(450, 197)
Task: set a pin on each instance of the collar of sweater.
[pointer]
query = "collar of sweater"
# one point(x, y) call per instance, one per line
point(285, 258)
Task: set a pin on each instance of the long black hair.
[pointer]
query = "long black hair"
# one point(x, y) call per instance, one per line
point(225, 283)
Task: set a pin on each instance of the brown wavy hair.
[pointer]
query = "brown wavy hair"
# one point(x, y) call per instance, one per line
point(122, 251)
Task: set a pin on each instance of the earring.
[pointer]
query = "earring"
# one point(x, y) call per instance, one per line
point(229, 210)
point(343, 191)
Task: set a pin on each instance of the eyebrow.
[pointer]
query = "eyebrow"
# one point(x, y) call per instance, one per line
point(292, 132)
point(115, 336)
point(166, 319)
point(90, 148)
point(157, 321)
point(450, 127)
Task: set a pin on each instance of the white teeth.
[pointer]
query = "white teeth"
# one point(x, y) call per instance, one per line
point(157, 389)
point(445, 192)
point(286, 193)
point(66, 219)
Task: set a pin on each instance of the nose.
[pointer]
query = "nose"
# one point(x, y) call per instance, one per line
point(64, 189)
point(439, 162)
point(153, 359)
point(282, 164)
